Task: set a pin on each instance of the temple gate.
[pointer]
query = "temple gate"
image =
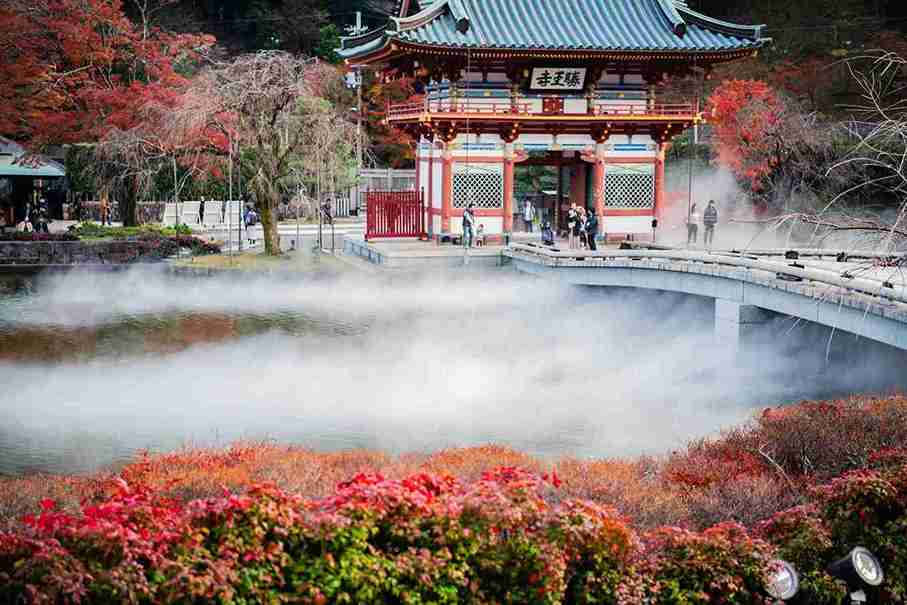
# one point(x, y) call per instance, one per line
point(574, 80)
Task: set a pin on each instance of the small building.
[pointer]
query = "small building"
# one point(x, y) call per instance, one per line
point(25, 179)
point(574, 80)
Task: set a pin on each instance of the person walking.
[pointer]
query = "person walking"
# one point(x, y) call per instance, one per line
point(469, 226)
point(528, 215)
point(693, 225)
point(592, 231)
point(709, 220)
point(572, 226)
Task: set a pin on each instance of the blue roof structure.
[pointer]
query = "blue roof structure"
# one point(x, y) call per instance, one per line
point(15, 162)
point(565, 26)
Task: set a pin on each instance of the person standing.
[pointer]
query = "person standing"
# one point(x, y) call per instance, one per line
point(105, 208)
point(709, 220)
point(547, 234)
point(469, 226)
point(592, 231)
point(693, 225)
point(528, 215)
point(572, 226)
point(582, 228)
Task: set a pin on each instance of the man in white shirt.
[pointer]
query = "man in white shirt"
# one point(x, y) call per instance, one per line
point(528, 215)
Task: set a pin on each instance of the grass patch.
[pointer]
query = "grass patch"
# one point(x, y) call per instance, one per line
point(93, 231)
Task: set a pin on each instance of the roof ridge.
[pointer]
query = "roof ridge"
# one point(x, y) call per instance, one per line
point(726, 27)
point(678, 25)
point(403, 24)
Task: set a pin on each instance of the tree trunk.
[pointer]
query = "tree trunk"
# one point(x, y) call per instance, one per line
point(128, 202)
point(266, 205)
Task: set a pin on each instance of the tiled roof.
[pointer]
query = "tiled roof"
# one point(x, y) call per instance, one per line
point(572, 25)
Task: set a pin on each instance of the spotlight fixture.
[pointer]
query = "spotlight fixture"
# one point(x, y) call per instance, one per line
point(860, 570)
point(782, 583)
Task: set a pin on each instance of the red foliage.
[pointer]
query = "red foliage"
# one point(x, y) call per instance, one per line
point(73, 69)
point(747, 115)
point(393, 144)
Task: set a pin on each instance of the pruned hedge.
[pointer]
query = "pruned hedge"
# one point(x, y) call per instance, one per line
point(507, 537)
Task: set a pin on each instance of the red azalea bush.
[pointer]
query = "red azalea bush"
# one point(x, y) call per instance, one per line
point(425, 538)
point(720, 565)
point(474, 525)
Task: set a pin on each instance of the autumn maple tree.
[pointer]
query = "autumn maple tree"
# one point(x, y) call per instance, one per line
point(748, 118)
point(74, 70)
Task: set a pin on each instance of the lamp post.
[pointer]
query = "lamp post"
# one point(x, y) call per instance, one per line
point(354, 80)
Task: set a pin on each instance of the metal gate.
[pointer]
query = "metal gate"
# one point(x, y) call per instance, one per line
point(395, 214)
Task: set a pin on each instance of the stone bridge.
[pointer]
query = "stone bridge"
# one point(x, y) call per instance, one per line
point(863, 294)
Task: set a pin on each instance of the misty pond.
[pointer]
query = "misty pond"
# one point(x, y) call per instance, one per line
point(95, 366)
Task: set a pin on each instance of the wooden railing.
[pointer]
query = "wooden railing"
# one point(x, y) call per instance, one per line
point(676, 109)
point(395, 214)
point(404, 111)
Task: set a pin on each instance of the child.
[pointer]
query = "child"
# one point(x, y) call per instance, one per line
point(480, 235)
point(547, 235)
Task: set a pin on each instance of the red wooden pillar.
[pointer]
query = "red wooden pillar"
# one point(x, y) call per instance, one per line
point(578, 185)
point(446, 187)
point(659, 179)
point(429, 204)
point(508, 188)
point(598, 185)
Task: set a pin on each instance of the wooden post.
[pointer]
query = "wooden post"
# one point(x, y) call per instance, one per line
point(508, 188)
point(430, 205)
point(446, 187)
point(659, 179)
point(560, 196)
point(598, 185)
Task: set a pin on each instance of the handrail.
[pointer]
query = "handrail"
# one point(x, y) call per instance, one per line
point(639, 109)
point(506, 107)
point(871, 287)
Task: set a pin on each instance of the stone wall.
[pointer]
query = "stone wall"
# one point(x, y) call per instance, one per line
point(73, 253)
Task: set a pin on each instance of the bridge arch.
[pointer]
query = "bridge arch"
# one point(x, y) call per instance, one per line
point(740, 289)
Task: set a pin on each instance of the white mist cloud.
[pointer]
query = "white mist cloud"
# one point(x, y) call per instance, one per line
point(403, 363)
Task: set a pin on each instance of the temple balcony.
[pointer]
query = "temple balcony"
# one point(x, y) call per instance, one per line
point(547, 114)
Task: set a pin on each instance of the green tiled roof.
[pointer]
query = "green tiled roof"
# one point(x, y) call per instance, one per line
point(562, 25)
point(9, 166)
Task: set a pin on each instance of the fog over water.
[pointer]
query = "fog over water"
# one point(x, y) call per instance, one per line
point(141, 359)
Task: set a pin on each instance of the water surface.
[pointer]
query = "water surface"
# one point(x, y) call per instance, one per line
point(95, 366)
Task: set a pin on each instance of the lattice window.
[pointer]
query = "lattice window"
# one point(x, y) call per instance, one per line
point(630, 186)
point(481, 184)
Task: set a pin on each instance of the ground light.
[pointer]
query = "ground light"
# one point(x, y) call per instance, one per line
point(860, 570)
point(782, 583)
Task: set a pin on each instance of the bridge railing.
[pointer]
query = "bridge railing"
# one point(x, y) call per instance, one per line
point(560, 258)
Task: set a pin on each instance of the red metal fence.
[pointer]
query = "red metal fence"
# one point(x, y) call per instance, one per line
point(394, 214)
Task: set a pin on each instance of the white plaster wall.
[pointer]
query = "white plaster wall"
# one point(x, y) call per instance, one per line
point(568, 140)
point(575, 106)
point(494, 225)
point(436, 181)
point(628, 224)
point(436, 225)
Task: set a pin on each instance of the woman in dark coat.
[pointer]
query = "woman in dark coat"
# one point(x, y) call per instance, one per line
point(591, 230)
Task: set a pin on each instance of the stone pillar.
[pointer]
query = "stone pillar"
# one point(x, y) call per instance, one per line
point(598, 186)
point(508, 188)
point(735, 323)
point(446, 187)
